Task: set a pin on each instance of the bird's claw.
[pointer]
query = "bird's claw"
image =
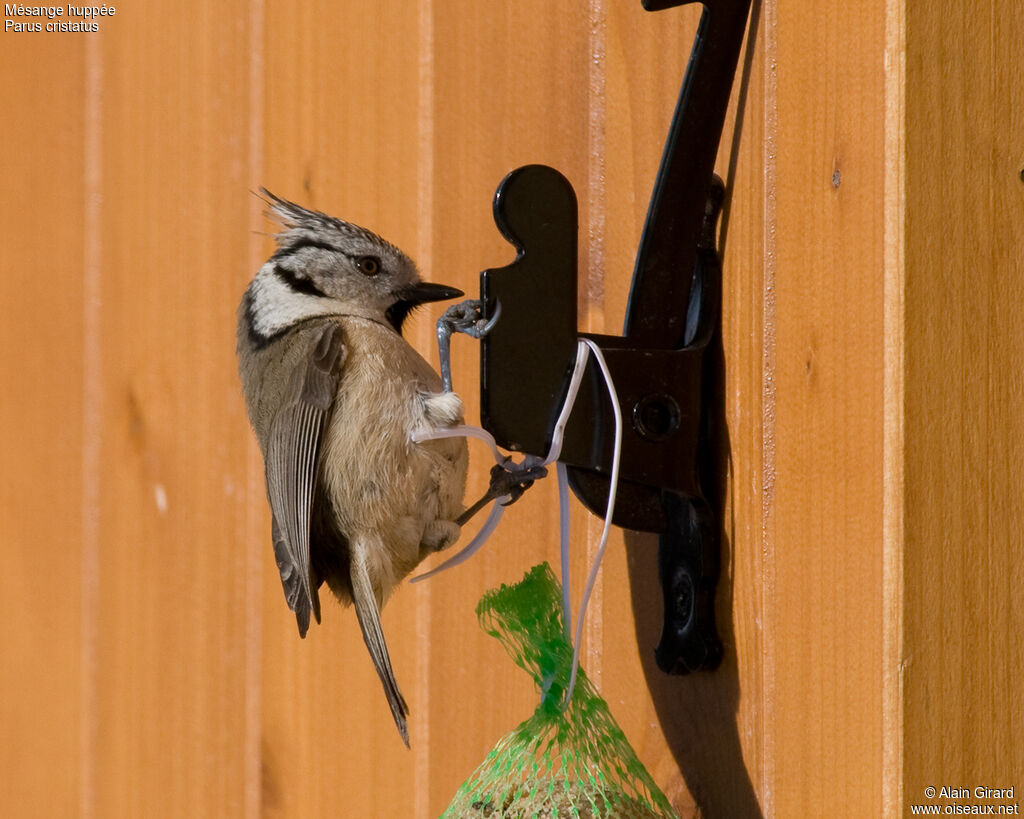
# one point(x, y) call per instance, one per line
point(467, 317)
point(513, 479)
point(508, 480)
point(464, 317)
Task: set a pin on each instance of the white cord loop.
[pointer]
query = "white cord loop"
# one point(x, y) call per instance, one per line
point(583, 350)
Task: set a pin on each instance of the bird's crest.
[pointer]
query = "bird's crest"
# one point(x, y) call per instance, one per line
point(301, 224)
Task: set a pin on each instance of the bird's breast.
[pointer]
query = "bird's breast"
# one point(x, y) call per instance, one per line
point(376, 476)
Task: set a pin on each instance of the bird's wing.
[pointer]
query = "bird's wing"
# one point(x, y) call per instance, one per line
point(293, 449)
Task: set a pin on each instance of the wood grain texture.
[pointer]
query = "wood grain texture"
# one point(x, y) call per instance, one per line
point(41, 491)
point(824, 595)
point(964, 343)
point(869, 403)
point(704, 747)
point(510, 88)
point(168, 616)
point(348, 146)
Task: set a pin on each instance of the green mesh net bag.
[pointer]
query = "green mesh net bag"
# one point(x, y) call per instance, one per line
point(571, 762)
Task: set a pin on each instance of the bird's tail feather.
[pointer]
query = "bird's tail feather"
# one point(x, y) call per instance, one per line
point(368, 613)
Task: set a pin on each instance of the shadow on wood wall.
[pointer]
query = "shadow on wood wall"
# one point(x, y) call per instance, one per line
point(697, 712)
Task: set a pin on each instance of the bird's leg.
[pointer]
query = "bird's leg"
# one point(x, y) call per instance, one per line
point(464, 317)
point(507, 478)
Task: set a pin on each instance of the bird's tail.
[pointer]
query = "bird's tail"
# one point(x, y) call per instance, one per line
point(368, 613)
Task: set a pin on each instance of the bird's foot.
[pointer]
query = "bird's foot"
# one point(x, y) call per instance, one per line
point(508, 479)
point(464, 317)
point(467, 317)
point(513, 479)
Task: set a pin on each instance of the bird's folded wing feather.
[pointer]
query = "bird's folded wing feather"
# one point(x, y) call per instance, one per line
point(293, 449)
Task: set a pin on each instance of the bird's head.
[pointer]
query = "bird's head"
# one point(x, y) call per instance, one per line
point(325, 266)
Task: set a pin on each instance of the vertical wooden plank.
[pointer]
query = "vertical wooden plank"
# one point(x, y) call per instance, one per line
point(700, 735)
point(745, 294)
point(341, 135)
point(629, 105)
point(511, 88)
point(893, 472)
point(170, 622)
point(255, 531)
point(41, 257)
point(964, 341)
point(825, 429)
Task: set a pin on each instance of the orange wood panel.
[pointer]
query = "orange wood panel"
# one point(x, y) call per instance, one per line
point(511, 87)
point(963, 704)
point(167, 675)
point(42, 88)
point(495, 88)
point(342, 104)
point(699, 735)
point(871, 396)
point(824, 413)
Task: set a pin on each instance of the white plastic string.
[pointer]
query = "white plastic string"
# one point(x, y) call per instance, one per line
point(563, 543)
point(461, 431)
point(613, 489)
point(497, 507)
point(583, 350)
point(497, 510)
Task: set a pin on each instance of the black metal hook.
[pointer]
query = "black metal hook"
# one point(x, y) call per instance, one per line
point(658, 362)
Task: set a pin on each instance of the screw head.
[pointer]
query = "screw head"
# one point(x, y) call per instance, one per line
point(656, 417)
point(683, 599)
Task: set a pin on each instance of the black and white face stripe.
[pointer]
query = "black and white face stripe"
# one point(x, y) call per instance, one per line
point(301, 244)
point(278, 299)
point(303, 285)
point(257, 338)
point(297, 282)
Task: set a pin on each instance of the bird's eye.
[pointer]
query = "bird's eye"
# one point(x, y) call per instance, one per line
point(368, 265)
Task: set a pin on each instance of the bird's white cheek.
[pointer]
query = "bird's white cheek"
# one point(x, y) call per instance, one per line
point(276, 306)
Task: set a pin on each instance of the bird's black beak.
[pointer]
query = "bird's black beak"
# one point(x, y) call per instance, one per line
point(411, 297)
point(422, 292)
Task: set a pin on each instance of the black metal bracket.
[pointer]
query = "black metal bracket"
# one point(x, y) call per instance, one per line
point(658, 364)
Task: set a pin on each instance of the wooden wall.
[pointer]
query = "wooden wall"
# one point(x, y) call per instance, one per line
point(963, 396)
point(872, 339)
